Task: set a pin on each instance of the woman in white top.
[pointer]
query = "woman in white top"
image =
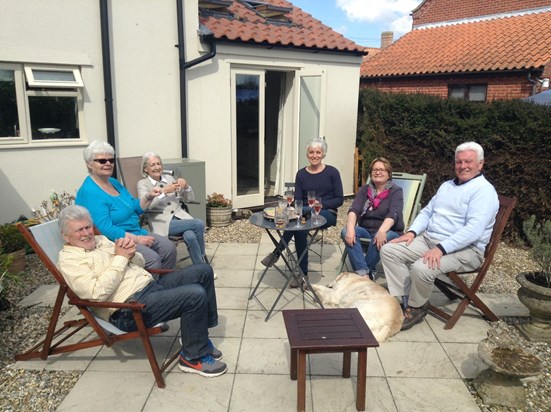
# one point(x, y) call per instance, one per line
point(167, 216)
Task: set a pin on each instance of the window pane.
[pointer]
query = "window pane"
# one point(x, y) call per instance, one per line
point(477, 93)
point(309, 116)
point(457, 93)
point(247, 93)
point(9, 126)
point(53, 75)
point(54, 117)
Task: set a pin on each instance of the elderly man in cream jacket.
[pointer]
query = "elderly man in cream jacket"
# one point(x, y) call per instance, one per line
point(167, 217)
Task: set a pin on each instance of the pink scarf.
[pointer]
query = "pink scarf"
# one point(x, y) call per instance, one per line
point(374, 202)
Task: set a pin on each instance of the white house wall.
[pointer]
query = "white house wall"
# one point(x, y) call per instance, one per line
point(210, 115)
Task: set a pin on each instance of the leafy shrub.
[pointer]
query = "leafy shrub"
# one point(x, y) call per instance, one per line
point(217, 200)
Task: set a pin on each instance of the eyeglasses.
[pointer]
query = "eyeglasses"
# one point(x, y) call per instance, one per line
point(378, 170)
point(103, 161)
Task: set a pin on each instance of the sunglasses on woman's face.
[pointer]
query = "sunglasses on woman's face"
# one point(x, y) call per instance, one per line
point(103, 161)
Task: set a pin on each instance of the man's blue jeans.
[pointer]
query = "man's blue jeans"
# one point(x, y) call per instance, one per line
point(193, 233)
point(364, 263)
point(187, 294)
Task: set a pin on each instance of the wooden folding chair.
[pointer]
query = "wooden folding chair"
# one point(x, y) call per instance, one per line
point(458, 289)
point(412, 187)
point(46, 241)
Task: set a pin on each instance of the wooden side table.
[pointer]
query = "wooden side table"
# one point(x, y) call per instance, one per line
point(328, 331)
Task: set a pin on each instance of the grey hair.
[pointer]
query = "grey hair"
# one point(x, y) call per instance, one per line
point(95, 148)
point(146, 156)
point(318, 142)
point(475, 147)
point(71, 213)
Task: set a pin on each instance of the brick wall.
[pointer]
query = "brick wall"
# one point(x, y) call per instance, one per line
point(433, 11)
point(500, 87)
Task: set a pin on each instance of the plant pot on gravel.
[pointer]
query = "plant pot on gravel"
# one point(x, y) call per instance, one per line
point(12, 242)
point(219, 210)
point(535, 287)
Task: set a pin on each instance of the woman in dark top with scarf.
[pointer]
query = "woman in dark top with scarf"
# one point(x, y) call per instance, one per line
point(377, 211)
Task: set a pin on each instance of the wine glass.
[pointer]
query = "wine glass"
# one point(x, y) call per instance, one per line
point(317, 208)
point(311, 197)
point(298, 211)
point(289, 194)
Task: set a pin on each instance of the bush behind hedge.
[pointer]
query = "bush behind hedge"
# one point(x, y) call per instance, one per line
point(419, 134)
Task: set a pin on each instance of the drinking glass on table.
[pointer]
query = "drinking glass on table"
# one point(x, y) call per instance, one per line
point(317, 208)
point(298, 211)
point(281, 217)
point(289, 195)
point(311, 197)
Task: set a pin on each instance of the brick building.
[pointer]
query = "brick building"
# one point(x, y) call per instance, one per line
point(469, 49)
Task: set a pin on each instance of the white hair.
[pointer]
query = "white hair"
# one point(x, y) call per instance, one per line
point(318, 142)
point(475, 147)
point(146, 156)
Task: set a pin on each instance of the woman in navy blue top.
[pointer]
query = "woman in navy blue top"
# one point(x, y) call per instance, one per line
point(326, 181)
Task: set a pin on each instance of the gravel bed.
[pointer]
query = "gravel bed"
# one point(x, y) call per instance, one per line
point(31, 390)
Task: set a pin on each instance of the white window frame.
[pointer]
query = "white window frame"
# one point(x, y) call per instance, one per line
point(24, 139)
point(34, 82)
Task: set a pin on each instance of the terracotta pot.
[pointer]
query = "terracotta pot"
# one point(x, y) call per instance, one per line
point(538, 301)
point(219, 216)
point(18, 262)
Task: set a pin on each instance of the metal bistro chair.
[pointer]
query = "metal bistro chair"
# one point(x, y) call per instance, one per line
point(412, 186)
point(130, 172)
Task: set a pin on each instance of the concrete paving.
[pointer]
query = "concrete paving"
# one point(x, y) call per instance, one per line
point(421, 369)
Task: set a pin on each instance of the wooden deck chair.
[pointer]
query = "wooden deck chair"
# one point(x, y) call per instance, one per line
point(130, 172)
point(412, 187)
point(46, 241)
point(458, 289)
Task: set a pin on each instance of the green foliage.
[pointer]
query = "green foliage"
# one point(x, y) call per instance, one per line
point(217, 200)
point(539, 237)
point(419, 133)
point(11, 240)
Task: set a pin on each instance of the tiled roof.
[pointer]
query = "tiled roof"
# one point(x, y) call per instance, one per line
point(512, 43)
point(299, 29)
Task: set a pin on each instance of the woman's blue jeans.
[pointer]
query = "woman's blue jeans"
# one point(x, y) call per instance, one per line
point(368, 262)
point(193, 233)
point(187, 294)
point(301, 239)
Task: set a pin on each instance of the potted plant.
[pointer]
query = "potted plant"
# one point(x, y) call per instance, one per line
point(218, 210)
point(12, 242)
point(5, 276)
point(535, 287)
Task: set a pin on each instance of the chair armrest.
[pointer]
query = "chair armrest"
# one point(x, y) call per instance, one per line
point(114, 305)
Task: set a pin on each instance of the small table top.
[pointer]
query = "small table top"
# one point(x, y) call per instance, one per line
point(339, 328)
point(259, 220)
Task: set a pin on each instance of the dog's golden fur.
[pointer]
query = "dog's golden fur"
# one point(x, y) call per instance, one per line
point(381, 312)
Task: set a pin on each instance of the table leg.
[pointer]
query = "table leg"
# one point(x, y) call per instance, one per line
point(301, 384)
point(294, 364)
point(362, 372)
point(346, 360)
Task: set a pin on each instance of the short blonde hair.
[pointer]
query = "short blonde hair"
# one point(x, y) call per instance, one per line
point(383, 160)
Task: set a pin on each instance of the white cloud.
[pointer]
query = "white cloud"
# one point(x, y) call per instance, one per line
point(391, 13)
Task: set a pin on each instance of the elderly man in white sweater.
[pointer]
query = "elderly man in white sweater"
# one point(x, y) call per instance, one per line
point(449, 234)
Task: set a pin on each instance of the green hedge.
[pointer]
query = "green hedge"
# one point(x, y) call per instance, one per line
point(419, 133)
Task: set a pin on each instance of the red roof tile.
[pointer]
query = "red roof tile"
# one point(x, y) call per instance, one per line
point(519, 42)
point(301, 31)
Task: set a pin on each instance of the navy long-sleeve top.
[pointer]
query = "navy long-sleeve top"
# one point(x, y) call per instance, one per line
point(327, 184)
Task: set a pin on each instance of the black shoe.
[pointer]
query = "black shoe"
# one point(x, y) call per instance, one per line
point(413, 316)
point(270, 260)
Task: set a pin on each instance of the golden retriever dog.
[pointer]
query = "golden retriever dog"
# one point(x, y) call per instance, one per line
point(381, 312)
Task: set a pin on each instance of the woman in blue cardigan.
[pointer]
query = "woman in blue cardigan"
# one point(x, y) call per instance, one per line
point(115, 212)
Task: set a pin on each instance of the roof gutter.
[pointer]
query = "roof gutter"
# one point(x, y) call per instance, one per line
point(205, 34)
point(107, 80)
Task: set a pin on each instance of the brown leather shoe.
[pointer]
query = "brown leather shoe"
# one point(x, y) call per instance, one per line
point(413, 316)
